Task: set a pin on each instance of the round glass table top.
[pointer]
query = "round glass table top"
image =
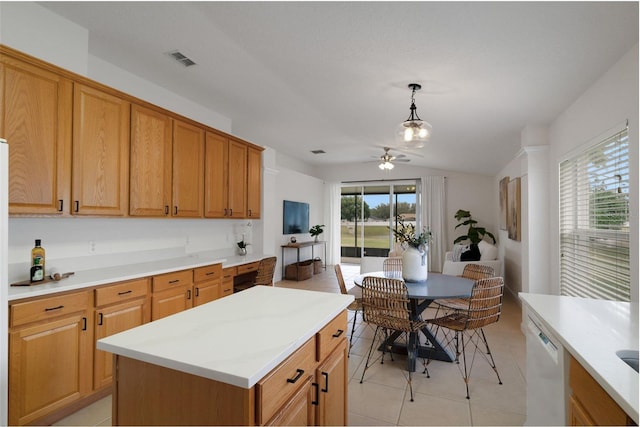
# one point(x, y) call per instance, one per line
point(436, 286)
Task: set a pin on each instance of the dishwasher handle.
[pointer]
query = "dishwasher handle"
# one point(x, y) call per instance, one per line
point(542, 338)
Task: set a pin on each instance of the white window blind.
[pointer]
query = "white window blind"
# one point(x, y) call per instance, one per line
point(594, 221)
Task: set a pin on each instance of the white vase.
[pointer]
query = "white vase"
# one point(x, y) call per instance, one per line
point(414, 265)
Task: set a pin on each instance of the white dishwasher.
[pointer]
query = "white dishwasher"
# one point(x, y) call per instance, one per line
point(546, 380)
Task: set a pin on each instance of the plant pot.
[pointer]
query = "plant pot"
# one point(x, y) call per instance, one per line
point(242, 251)
point(315, 239)
point(414, 265)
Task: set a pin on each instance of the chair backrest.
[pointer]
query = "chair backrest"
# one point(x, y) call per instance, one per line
point(485, 303)
point(267, 267)
point(386, 304)
point(392, 264)
point(343, 287)
point(477, 271)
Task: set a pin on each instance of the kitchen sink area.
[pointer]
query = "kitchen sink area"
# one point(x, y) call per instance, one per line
point(630, 357)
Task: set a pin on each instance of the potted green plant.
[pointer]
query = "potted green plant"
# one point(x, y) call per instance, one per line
point(316, 230)
point(242, 247)
point(474, 234)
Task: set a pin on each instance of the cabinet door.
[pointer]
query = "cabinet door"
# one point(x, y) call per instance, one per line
point(206, 292)
point(298, 411)
point(100, 153)
point(331, 377)
point(188, 170)
point(50, 366)
point(237, 179)
point(150, 181)
point(35, 118)
point(109, 321)
point(215, 181)
point(169, 302)
point(254, 183)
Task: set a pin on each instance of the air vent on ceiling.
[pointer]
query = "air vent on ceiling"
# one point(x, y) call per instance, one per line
point(181, 58)
point(318, 151)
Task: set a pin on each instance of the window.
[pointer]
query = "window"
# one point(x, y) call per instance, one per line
point(367, 212)
point(594, 221)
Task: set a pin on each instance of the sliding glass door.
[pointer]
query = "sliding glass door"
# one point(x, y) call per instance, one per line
point(369, 212)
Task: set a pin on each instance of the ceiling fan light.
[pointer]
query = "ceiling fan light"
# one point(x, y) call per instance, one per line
point(386, 165)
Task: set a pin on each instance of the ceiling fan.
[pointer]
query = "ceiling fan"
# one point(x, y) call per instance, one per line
point(386, 160)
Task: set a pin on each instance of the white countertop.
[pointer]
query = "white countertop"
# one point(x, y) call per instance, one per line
point(102, 276)
point(592, 331)
point(237, 339)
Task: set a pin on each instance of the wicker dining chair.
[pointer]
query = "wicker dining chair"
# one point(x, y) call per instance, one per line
point(473, 272)
point(355, 306)
point(385, 304)
point(392, 264)
point(264, 275)
point(483, 309)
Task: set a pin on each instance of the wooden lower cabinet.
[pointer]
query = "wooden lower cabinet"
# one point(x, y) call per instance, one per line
point(207, 283)
point(171, 293)
point(331, 377)
point(119, 307)
point(298, 411)
point(589, 403)
point(50, 355)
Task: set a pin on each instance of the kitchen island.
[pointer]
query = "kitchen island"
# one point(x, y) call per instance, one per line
point(261, 356)
point(591, 332)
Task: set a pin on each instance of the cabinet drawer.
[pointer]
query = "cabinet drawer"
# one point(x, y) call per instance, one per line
point(279, 385)
point(248, 268)
point(209, 272)
point(47, 308)
point(121, 292)
point(171, 280)
point(331, 335)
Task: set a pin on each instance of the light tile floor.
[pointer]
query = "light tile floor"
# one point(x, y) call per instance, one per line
point(383, 398)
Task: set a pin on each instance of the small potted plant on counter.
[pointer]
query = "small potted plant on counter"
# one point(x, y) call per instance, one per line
point(315, 231)
point(242, 247)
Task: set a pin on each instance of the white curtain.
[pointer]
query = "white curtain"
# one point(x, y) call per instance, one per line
point(332, 213)
point(433, 214)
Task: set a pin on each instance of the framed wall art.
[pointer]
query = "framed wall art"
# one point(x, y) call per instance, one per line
point(513, 201)
point(504, 184)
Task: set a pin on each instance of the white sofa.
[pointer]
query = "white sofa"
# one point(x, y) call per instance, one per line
point(489, 257)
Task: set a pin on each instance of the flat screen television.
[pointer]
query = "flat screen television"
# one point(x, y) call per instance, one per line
point(295, 217)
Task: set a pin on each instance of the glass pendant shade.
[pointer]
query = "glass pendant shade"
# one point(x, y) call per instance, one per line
point(413, 132)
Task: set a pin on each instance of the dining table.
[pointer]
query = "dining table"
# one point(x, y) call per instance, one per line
point(421, 294)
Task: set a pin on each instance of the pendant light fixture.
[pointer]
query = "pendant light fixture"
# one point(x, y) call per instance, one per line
point(413, 132)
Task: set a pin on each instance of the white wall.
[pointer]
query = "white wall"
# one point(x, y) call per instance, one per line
point(611, 100)
point(296, 186)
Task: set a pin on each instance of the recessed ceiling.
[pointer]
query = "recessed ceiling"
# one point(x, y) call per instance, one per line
point(302, 76)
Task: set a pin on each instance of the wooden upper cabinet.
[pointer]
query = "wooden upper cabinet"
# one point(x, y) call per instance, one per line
point(215, 176)
point(237, 179)
point(100, 153)
point(188, 170)
point(254, 183)
point(35, 119)
point(150, 173)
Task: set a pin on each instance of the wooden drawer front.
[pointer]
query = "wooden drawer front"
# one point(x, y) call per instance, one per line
point(172, 280)
point(279, 385)
point(209, 272)
point(121, 292)
point(248, 268)
point(331, 335)
point(593, 398)
point(229, 272)
point(47, 308)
